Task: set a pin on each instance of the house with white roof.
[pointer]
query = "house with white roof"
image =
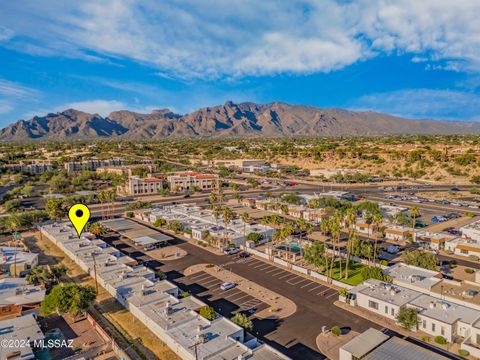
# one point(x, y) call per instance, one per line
point(17, 296)
point(16, 261)
point(21, 332)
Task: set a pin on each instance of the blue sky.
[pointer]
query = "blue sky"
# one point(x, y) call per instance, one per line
point(404, 57)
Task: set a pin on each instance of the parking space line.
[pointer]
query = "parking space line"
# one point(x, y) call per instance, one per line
point(309, 284)
point(259, 265)
point(212, 282)
point(298, 282)
point(296, 277)
point(235, 299)
point(323, 292)
point(251, 259)
point(278, 273)
point(264, 267)
point(198, 276)
point(288, 274)
point(316, 287)
point(269, 271)
point(329, 296)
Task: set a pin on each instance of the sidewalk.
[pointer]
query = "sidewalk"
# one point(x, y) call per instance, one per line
point(280, 306)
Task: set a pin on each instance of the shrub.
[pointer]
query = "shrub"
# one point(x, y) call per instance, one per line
point(473, 257)
point(343, 292)
point(129, 214)
point(202, 243)
point(374, 273)
point(384, 262)
point(209, 265)
point(463, 352)
point(207, 312)
point(469, 271)
point(184, 294)
point(440, 340)
point(243, 321)
point(336, 330)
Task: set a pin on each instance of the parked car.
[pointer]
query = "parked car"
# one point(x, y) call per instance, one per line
point(243, 255)
point(227, 285)
point(446, 276)
point(392, 249)
point(455, 189)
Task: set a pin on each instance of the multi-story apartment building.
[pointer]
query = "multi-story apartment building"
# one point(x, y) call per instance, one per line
point(94, 164)
point(34, 168)
point(190, 179)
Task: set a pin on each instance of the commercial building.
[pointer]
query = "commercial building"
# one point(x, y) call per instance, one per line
point(94, 164)
point(15, 261)
point(156, 303)
point(17, 296)
point(21, 332)
point(136, 185)
point(239, 163)
point(375, 345)
point(328, 173)
point(190, 179)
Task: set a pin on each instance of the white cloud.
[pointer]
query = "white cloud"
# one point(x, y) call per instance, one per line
point(423, 103)
point(5, 106)
point(210, 39)
point(15, 90)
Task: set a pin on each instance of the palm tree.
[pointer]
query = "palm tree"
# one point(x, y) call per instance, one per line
point(213, 199)
point(37, 276)
point(414, 213)
point(228, 215)
point(350, 218)
point(377, 220)
point(245, 217)
point(101, 199)
point(217, 210)
point(97, 229)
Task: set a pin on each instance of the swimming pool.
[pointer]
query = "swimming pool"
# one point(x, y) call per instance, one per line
point(291, 247)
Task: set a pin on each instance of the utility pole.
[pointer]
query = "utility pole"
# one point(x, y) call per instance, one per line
point(95, 271)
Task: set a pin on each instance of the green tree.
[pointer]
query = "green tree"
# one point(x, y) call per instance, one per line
point(68, 298)
point(160, 222)
point(207, 312)
point(313, 254)
point(255, 237)
point(243, 321)
point(373, 272)
point(54, 208)
point(36, 276)
point(407, 318)
point(421, 259)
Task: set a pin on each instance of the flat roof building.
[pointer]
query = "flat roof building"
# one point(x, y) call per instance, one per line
point(23, 331)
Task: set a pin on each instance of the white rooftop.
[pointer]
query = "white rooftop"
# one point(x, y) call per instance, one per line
point(17, 291)
point(408, 274)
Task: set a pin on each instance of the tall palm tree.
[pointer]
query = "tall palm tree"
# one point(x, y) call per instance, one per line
point(213, 199)
point(335, 232)
point(228, 215)
point(377, 220)
point(414, 213)
point(245, 217)
point(350, 218)
point(217, 210)
point(101, 199)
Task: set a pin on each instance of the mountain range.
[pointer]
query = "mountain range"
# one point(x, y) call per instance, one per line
point(228, 120)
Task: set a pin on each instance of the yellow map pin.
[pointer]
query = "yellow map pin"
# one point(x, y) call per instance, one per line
point(79, 215)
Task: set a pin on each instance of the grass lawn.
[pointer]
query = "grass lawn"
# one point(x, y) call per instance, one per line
point(354, 269)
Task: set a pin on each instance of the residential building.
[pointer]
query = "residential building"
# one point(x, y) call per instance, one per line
point(389, 211)
point(33, 168)
point(373, 344)
point(397, 233)
point(125, 169)
point(432, 240)
point(17, 296)
point(136, 185)
point(413, 277)
point(15, 261)
point(464, 247)
point(437, 316)
point(362, 227)
point(471, 231)
point(94, 164)
point(156, 303)
point(21, 332)
point(190, 179)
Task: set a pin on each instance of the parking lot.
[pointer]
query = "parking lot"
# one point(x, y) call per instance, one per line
point(301, 283)
point(227, 302)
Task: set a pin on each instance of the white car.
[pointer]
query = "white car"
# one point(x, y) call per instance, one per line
point(227, 285)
